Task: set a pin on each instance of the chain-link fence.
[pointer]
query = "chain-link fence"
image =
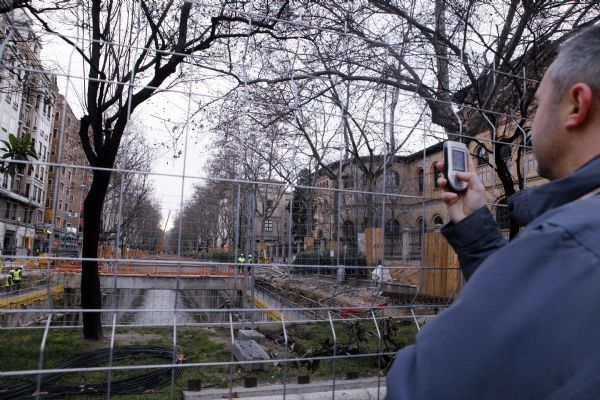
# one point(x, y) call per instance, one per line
point(231, 194)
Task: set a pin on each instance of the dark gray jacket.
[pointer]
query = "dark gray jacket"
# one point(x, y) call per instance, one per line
point(527, 323)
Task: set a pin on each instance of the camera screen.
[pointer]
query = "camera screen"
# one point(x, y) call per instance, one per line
point(458, 160)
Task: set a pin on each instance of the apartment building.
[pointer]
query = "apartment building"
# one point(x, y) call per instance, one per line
point(264, 220)
point(69, 180)
point(27, 103)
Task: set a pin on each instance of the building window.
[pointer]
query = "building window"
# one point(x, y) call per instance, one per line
point(348, 231)
point(436, 174)
point(268, 225)
point(5, 180)
point(392, 178)
point(528, 141)
point(502, 215)
point(482, 156)
point(420, 181)
point(269, 206)
point(392, 229)
point(348, 181)
point(505, 150)
point(62, 187)
point(60, 204)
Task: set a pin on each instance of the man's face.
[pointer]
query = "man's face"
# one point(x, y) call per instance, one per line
point(546, 134)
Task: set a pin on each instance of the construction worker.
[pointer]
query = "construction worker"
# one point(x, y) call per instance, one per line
point(8, 282)
point(241, 259)
point(18, 275)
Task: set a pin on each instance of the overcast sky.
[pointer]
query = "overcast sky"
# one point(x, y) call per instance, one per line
point(159, 117)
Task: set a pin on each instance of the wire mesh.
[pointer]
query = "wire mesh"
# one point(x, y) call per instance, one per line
point(310, 213)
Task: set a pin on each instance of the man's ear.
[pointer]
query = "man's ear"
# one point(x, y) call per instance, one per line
point(579, 101)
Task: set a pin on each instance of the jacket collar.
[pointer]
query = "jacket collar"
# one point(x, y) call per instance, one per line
point(528, 204)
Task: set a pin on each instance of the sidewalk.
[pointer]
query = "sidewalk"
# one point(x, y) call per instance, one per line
point(356, 389)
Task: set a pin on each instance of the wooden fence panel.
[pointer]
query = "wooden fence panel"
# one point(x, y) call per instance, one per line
point(442, 275)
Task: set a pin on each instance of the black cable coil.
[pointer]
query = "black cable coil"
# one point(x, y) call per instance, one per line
point(155, 379)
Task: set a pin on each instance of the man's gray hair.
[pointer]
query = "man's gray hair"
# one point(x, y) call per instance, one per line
point(578, 60)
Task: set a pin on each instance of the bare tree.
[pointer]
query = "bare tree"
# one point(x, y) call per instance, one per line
point(129, 207)
point(482, 58)
point(134, 48)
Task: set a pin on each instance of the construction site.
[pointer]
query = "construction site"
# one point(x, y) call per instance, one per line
point(241, 199)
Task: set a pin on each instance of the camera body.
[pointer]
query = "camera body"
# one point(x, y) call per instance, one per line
point(455, 160)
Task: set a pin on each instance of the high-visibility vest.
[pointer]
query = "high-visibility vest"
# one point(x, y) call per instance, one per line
point(18, 273)
point(241, 259)
point(8, 280)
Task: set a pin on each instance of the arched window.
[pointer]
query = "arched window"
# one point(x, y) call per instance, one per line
point(393, 238)
point(528, 141)
point(505, 150)
point(502, 215)
point(392, 228)
point(392, 178)
point(482, 156)
point(436, 174)
point(421, 225)
point(420, 181)
point(348, 181)
point(348, 230)
point(437, 221)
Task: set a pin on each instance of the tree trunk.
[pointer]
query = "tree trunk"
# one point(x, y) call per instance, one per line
point(508, 186)
point(91, 296)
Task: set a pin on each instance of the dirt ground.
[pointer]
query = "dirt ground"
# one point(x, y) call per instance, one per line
point(344, 296)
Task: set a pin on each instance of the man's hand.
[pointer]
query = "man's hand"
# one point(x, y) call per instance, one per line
point(462, 204)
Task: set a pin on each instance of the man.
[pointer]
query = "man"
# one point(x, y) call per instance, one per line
point(241, 258)
point(18, 275)
point(8, 283)
point(526, 325)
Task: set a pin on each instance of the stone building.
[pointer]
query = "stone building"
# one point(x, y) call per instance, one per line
point(411, 205)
